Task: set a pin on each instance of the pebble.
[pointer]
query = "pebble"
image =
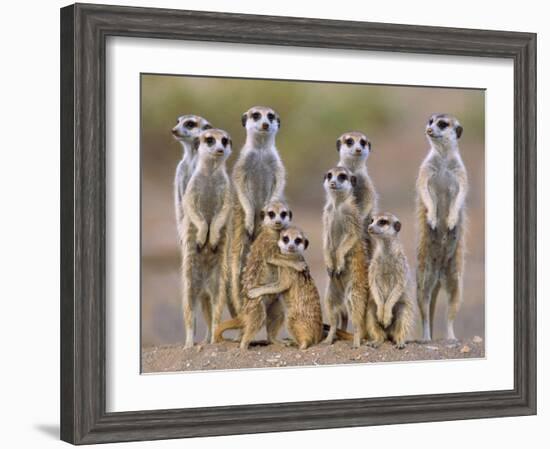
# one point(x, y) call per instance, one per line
point(465, 349)
point(477, 339)
point(432, 348)
point(271, 360)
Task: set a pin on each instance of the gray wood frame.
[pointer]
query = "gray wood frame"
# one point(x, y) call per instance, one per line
point(84, 29)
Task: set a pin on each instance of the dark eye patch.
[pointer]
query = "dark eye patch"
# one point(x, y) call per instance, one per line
point(329, 176)
point(363, 142)
point(349, 141)
point(285, 239)
point(283, 214)
point(190, 124)
point(442, 124)
point(271, 116)
point(210, 140)
point(342, 177)
point(207, 126)
point(256, 116)
point(298, 240)
point(224, 141)
point(430, 121)
point(382, 222)
point(271, 214)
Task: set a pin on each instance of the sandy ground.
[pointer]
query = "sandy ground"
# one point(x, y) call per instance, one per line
point(227, 355)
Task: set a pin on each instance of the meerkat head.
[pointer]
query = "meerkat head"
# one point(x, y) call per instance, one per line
point(384, 226)
point(189, 126)
point(213, 144)
point(292, 240)
point(353, 147)
point(276, 215)
point(443, 129)
point(339, 181)
point(261, 120)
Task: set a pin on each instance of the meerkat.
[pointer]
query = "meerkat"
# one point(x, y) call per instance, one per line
point(300, 295)
point(441, 192)
point(187, 128)
point(345, 255)
point(389, 313)
point(269, 310)
point(206, 210)
point(258, 178)
point(354, 149)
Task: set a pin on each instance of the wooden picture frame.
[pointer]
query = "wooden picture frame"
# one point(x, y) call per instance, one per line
point(84, 29)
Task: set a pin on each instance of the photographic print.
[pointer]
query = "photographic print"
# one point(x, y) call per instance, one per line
point(302, 223)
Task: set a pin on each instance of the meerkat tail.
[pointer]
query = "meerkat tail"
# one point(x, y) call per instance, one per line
point(340, 333)
point(233, 323)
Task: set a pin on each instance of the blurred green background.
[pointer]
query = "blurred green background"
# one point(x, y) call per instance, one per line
point(313, 115)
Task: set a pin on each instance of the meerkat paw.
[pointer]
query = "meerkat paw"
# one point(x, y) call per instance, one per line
point(328, 341)
point(432, 221)
point(451, 221)
point(330, 272)
point(400, 345)
point(374, 343)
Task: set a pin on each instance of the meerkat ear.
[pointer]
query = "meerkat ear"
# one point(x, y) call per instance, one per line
point(231, 143)
point(290, 215)
point(369, 144)
point(207, 126)
point(459, 130)
point(262, 215)
point(279, 122)
point(196, 143)
point(306, 243)
point(353, 180)
point(397, 226)
point(338, 145)
point(244, 117)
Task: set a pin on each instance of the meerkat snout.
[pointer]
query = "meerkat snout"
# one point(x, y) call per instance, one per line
point(384, 225)
point(339, 179)
point(292, 240)
point(276, 215)
point(214, 143)
point(261, 119)
point(189, 126)
point(443, 127)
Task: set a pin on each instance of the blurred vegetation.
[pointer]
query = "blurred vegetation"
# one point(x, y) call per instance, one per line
point(313, 115)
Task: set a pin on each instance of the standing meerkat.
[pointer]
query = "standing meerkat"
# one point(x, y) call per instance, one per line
point(345, 255)
point(304, 320)
point(187, 128)
point(354, 149)
point(389, 312)
point(206, 210)
point(258, 271)
point(441, 191)
point(258, 178)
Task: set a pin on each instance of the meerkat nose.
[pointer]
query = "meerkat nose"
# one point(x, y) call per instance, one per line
point(265, 126)
point(174, 131)
point(429, 131)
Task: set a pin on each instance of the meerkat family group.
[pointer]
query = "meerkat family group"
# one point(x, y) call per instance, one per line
point(240, 249)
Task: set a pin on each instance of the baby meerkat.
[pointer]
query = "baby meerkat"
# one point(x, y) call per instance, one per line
point(441, 192)
point(345, 255)
point(206, 210)
point(354, 149)
point(389, 312)
point(300, 295)
point(258, 271)
point(258, 178)
point(187, 128)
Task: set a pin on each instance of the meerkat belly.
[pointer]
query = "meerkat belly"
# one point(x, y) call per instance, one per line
point(444, 188)
point(210, 197)
point(260, 186)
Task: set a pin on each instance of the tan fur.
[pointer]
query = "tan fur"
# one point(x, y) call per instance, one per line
point(345, 256)
point(441, 190)
point(258, 178)
point(206, 205)
point(389, 312)
point(302, 302)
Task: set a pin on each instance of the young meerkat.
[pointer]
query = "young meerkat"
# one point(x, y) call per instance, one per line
point(187, 128)
point(345, 256)
point(354, 149)
point(441, 191)
point(300, 295)
point(389, 312)
point(206, 210)
point(258, 178)
point(269, 309)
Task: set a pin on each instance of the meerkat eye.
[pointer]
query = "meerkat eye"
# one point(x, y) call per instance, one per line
point(285, 239)
point(224, 141)
point(271, 214)
point(256, 116)
point(283, 215)
point(342, 177)
point(382, 222)
point(271, 116)
point(298, 240)
point(207, 126)
point(190, 124)
point(363, 142)
point(349, 142)
point(210, 140)
point(329, 176)
point(442, 125)
point(430, 122)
